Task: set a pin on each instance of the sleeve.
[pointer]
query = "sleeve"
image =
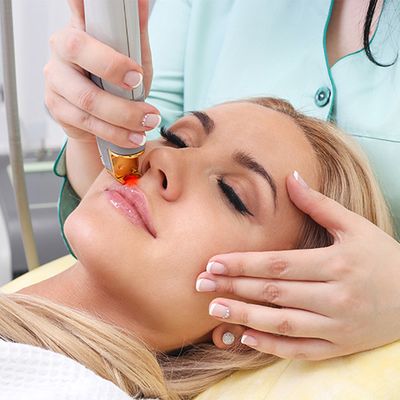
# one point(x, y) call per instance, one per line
point(68, 199)
point(168, 31)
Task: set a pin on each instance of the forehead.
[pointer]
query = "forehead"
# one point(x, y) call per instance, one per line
point(255, 122)
point(271, 136)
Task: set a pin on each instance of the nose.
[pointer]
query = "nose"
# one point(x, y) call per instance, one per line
point(165, 166)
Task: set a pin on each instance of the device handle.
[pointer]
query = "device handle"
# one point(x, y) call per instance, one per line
point(116, 23)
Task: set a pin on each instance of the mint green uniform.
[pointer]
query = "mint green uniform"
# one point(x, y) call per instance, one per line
point(209, 51)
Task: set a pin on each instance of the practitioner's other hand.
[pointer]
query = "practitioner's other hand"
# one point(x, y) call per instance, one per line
point(83, 109)
point(334, 301)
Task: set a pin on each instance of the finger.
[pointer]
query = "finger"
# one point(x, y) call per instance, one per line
point(280, 321)
point(79, 123)
point(303, 265)
point(310, 296)
point(147, 64)
point(77, 47)
point(77, 14)
point(323, 210)
point(287, 347)
point(105, 106)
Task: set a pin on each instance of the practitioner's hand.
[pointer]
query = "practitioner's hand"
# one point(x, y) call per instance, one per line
point(83, 109)
point(335, 301)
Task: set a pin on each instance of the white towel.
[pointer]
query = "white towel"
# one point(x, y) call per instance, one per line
point(32, 373)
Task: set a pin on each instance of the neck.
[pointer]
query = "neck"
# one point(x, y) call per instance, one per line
point(74, 288)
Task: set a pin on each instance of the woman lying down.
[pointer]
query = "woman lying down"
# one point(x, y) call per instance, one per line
point(215, 183)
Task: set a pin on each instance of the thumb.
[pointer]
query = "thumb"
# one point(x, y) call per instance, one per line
point(145, 44)
point(78, 14)
point(323, 210)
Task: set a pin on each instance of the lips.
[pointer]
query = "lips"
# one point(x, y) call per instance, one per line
point(132, 202)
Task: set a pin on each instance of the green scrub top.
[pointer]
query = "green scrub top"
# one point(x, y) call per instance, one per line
point(206, 52)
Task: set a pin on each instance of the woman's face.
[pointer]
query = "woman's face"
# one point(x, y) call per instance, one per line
point(224, 192)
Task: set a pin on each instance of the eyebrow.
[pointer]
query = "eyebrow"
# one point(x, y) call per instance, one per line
point(240, 157)
point(206, 122)
point(247, 161)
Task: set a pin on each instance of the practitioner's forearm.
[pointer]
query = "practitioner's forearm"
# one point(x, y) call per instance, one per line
point(83, 164)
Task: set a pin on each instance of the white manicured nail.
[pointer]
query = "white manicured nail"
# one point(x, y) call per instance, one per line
point(151, 121)
point(249, 340)
point(220, 311)
point(299, 179)
point(137, 139)
point(214, 267)
point(133, 79)
point(205, 285)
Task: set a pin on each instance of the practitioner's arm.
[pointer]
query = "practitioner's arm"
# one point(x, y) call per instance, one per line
point(82, 156)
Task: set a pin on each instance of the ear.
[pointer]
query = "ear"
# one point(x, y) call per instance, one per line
point(226, 328)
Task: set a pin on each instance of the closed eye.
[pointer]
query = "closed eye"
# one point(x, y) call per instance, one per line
point(233, 198)
point(171, 138)
point(226, 189)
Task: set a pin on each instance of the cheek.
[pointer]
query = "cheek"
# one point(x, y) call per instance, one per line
point(192, 238)
point(157, 277)
point(104, 243)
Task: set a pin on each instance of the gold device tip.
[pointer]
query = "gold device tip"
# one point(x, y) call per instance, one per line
point(123, 166)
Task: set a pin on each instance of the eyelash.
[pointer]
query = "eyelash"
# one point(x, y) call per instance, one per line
point(233, 198)
point(170, 137)
point(226, 189)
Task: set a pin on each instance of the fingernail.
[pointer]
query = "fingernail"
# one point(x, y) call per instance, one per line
point(205, 285)
point(133, 79)
point(249, 340)
point(299, 179)
point(218, 310)
point(151, 121)
point(137, 139)
point(214, 267)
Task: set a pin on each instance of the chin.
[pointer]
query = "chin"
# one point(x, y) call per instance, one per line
point(84, 235)
point(108, 248)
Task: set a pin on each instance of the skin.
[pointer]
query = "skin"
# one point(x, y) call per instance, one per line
point(363, 267)
point(142, 283)
point(346, 27)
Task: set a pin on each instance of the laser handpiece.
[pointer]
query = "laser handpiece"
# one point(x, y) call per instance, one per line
point(116, 23)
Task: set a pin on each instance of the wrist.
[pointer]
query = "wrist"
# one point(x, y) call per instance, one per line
point(83, 164)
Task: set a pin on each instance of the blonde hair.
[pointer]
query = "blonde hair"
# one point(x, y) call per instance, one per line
point(125, 360)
